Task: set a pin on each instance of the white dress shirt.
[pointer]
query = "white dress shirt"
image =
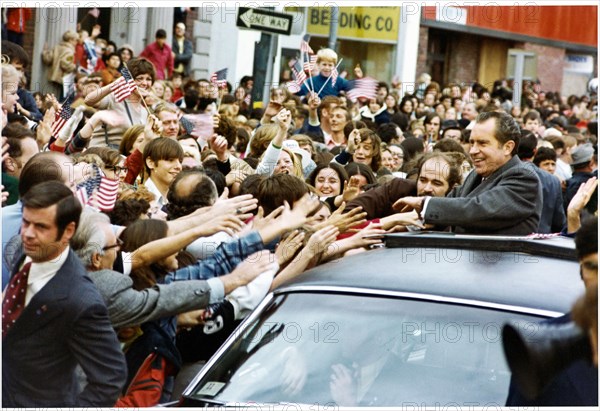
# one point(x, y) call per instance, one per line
point(41, 273)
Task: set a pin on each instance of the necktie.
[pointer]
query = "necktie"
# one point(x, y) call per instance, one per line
point(14, 298)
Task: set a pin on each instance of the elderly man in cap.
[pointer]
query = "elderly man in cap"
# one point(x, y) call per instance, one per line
point(584, 165)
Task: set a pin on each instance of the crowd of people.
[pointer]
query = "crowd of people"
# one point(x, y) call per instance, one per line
point(184, 204)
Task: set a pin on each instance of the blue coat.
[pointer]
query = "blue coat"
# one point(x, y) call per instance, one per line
point(64, 325)
point(318, 81)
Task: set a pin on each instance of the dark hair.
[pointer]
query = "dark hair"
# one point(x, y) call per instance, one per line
point(412, 146)
point(191, 98)
point(139, 66)
point(586, 239)
point(532, 115)
point(361, 169)
point(189, 191)
point(137, 234)
point(161, 34)
point(216, 176)
point(49, 193)
point(454, 174)
point(387, 132)
point(127, 211)
point(43, 167)
point(273, 191)
point(506, 128)
point(113, 54)
point(448, 145)
point(527, 145)
point(341, 172)
point(401, 120)
point(162, 149)
point(15, 53)
point(365, 134)
point(250, 184)
point(543, 154)
point(129, 138)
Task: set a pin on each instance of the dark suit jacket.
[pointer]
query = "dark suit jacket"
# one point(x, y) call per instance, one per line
point(553, 218)
point(378, 201)
point(508, 202)
point(64, 325)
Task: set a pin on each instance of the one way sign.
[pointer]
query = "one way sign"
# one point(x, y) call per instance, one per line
point(264, 20)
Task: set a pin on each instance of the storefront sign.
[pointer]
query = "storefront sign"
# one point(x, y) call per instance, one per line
point(579, 63)
point(371, 23)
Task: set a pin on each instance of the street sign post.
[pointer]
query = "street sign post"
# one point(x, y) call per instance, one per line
point(264, 20)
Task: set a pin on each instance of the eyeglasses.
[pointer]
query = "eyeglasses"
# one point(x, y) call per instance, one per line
point(117, 245)
point(118, 169)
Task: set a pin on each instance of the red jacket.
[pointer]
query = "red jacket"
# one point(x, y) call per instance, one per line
point(16, 19)
point(161, 58)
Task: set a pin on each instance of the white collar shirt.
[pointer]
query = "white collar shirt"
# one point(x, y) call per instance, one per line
point(41, 273)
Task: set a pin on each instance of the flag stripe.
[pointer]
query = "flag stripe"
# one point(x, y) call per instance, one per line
point(363, 87)
point(124, 86)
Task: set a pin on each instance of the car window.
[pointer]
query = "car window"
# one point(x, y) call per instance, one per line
point(345, 350)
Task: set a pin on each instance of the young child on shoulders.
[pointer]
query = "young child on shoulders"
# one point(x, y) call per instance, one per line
point(326, 61)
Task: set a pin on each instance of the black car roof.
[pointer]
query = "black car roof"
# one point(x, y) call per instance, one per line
point(538, 274)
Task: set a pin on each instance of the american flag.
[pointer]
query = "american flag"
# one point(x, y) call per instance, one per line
point(292, 87)
point(124, 86)
point(299, 74)
point(106, 192)
point(362, 87)
point(334, 76)
point(304, 47)
point(63, 115)
point(187, 125)
point(219, 78)
point(310, 64)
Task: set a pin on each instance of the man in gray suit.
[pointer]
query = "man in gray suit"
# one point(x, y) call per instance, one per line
point(53, 316)
point(502, 195)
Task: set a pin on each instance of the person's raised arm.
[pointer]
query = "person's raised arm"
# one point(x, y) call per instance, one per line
point(269, 160)
point(159, 249)
point(95, 97)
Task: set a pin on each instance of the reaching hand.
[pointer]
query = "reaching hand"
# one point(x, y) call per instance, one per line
point(284, 119)
point(252, 267)
point(286, 249)
point(291, 219)
point(321, 240)
point(371, 234)
point(229, 223)
point(153, 128)
point(351, 189)
point(239, 205)
point(344, 221)
point(409, 203)
point(313, 101)
point(219, 145)
point(353, 141)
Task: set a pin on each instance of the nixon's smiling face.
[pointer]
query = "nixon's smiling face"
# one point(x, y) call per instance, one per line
point(487, 153)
